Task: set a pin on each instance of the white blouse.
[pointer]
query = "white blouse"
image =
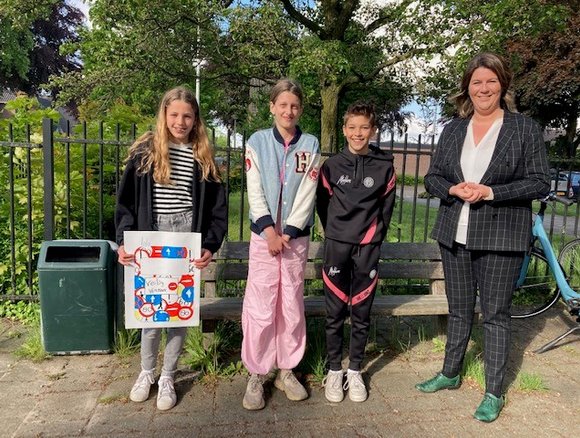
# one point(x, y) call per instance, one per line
point(475, 159)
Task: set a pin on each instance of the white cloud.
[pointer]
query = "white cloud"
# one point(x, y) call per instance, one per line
point(422, 121)
point(83, 6)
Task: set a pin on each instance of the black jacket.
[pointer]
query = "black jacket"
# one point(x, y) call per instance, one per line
point(517, 174)
point(356, 195)
point(134, 210)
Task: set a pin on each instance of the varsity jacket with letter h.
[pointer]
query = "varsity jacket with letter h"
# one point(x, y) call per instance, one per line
point(282, 176)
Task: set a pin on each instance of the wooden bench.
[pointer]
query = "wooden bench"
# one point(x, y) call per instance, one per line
point(407, 261)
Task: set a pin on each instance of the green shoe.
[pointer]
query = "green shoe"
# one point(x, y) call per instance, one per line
point(489, 408)
point(439, 382)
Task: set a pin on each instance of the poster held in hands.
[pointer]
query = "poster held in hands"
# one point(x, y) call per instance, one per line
point(162, 285)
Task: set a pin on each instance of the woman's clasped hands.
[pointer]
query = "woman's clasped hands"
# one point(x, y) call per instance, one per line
point(470, 192)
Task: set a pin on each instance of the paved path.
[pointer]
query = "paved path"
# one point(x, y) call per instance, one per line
point(87, 396)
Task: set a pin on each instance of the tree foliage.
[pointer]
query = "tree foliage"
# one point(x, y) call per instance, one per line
point(137, 49)
point(547, 79)
point(338, 50)
point(32, 33)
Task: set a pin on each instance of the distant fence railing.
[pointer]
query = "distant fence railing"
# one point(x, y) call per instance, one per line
point(63, 186)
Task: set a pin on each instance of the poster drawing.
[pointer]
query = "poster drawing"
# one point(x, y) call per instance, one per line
point(162, 285)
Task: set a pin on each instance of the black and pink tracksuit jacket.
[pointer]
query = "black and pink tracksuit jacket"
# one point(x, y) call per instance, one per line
point(356, 195)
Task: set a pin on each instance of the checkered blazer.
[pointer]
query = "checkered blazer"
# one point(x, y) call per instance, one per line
point(518, 173)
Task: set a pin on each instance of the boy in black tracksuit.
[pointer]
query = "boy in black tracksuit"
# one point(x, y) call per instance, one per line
point(355, 198)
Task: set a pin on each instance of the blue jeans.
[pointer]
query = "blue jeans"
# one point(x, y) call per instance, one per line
point(150, 337)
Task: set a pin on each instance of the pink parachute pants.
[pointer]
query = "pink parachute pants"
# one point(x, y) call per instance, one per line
point(273, 321)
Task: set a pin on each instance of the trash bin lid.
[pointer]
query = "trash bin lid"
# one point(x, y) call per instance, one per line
point(74, 255)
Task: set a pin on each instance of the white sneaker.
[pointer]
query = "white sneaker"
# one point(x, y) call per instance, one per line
point(355, 385)
point(287, 382)
point(333, 386)
point(166, 397)
point(140, 391)
point(254, 396)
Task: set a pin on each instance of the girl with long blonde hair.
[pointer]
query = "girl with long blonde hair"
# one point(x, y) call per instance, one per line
point(170, 183)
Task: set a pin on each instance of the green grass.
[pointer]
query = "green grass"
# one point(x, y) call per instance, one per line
point(473, 368)
point(530, 382)
point(438, 345)
point(314, 362)
point(212, 353)
point(400, 340)
point(235, 218)
point(558, 209)
point(126, 343)
point(113, 399)
point(403, 227)
point(32, 348)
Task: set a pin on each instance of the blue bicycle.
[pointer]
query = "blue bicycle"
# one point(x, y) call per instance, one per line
point(545, 278)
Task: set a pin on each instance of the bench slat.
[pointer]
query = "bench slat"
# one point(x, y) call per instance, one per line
point(389, 305)
point(313, 271)
point(231, 251)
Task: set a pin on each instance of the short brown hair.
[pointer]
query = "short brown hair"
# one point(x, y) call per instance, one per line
point(360, 109)
point(500, 67)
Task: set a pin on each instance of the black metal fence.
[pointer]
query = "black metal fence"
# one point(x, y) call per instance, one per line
point(62, 185)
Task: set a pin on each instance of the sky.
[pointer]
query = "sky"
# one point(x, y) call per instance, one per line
point(416, 123)
point(82, 5)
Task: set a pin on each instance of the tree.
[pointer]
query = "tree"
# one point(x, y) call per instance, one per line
point(138, 49)
point(132, 52)
point(49, 35)
point(15, 37)
point(337, 49)
point(400, 36)
point(31, 35)
point(547, 79)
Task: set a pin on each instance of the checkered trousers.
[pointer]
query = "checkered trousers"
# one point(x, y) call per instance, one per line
point(494, 275)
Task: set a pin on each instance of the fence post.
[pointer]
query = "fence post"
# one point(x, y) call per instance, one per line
point(48, 158)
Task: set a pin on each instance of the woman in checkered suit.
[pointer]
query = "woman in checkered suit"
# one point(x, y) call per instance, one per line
point(490, 163)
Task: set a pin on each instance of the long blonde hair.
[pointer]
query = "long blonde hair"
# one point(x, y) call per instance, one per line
point(153, 147)
point(500, 67)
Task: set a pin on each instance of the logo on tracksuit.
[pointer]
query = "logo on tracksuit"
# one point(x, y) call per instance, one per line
point(332, 271)
point(344, 179)
point(368, 182)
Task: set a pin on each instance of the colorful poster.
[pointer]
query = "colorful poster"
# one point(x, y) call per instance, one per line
point(162, 286)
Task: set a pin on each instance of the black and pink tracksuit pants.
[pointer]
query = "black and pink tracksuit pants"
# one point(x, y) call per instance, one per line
point(350, 274)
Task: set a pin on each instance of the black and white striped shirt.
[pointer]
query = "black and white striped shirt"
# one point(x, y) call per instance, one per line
point(176, 197)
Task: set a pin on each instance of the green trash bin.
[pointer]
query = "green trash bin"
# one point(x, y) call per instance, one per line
point(77, 280)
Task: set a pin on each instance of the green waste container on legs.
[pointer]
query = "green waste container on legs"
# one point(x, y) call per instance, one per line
point(77, 280)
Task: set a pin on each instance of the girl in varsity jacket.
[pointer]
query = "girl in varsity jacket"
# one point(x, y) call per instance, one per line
point(170, 183)
point(282, 171)
point(355, 200)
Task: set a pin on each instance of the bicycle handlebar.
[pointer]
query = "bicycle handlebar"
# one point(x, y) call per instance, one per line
point(561, 199)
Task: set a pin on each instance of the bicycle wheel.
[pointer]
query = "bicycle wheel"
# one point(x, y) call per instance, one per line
point(539, 291)
point(569, 259)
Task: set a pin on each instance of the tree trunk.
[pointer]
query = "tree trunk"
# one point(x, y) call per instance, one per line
point(329, 116)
